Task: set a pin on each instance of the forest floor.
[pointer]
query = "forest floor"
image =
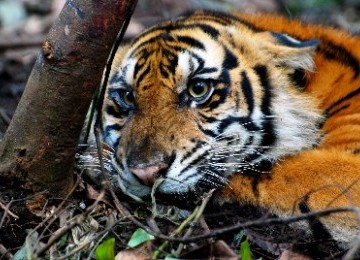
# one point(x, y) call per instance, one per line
point(23, 26)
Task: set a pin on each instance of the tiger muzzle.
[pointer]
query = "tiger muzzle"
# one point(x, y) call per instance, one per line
point(148, 174)
point(147, 163)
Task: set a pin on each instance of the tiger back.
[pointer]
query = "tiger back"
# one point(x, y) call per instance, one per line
point(262, 109)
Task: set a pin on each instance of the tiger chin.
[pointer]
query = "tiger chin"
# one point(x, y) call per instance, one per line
point(263, 109)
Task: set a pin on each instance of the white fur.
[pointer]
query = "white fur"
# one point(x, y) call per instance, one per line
point(297, 119)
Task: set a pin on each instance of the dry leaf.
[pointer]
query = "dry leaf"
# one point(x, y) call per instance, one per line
point(36, 204)
point(287, 255)
point(218, 249)
point(142, 252)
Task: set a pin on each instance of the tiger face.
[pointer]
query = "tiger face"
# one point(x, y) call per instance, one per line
point(194, 101)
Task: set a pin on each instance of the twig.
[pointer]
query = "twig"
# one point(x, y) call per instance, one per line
point(344, 191)
point(152, 224)
point(6, 209)
point(5, 253)
point(254, 223)
point(354, 249)
point(97, 244)
point(352, 252)
point(186, 222)
point(62, 231)
point(263, 222)
point(247, 224)
point(196, 220)
point(22, 42)
point(126, 214)
point(81, 247)
point(50, 219)
point(4, 117)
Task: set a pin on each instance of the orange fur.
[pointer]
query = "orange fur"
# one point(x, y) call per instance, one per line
point(330, 175)
point(160, 123)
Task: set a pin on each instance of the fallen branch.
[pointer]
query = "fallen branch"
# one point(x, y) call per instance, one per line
point(7, 210)
point(247, 224)
point(21, 42)
point(72, 223)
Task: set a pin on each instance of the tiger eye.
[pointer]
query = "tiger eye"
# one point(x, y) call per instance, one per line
point(127, 97)
point(198, 89)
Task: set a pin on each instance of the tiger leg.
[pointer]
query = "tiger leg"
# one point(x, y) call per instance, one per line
point(312, 180)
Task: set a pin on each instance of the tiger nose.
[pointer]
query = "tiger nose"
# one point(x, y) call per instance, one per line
point(148, 174)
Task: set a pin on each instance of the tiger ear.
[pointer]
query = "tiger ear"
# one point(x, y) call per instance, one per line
point(290, 52)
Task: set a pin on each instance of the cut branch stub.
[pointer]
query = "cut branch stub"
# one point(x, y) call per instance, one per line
point(38, 148)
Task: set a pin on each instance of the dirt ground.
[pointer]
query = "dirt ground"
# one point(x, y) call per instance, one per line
point(24, 25)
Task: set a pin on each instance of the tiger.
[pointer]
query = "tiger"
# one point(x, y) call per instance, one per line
point(260, 108)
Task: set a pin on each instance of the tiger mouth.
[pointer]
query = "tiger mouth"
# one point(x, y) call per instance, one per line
point(165, 190)
point(185, 200)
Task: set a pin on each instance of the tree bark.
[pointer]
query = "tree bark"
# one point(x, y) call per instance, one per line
point(39, 146)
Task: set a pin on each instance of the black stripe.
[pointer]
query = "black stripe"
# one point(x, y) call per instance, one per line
point(208, 30)
point(112, 111)
point(202, 70)
point(173, 60)
point(269, 136)
point(205, 15)
point(220, 18)
point(142, 56)
point(299, 78)
point(343, 99)
point(168, 28)
point(239, 20)
point(113, 127)
point(142, 75)
point(337, 111)
point(164, 71)
point(207, 131)
point(243, 121)
point(221, 93)
point(192, 164)
point(230, 61)
point(117, 78)
point(191, 41)
point(339, 53)
point(192, 151)
point(141, 49)
point(208, 119)
point(248, 92)
point(319, 231)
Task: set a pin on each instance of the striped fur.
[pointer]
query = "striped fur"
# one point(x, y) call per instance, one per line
point(276, 122)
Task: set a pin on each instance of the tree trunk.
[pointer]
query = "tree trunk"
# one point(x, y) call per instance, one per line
point(39, 146)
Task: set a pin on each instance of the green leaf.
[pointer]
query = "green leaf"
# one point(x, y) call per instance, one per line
point(138, 237)
point(245, 252)
point(171, 257)
point(23, 253)
point(63, 240)
point(106, 250)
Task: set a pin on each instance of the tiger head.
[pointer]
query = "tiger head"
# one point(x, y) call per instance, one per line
point(195, 100)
